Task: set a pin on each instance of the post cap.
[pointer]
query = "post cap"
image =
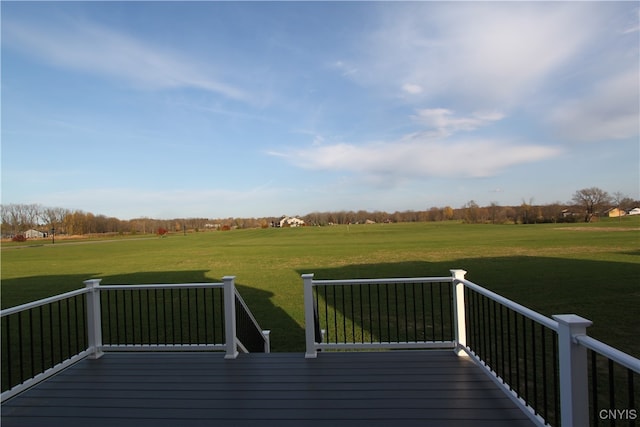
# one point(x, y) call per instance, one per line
point(92, 283)
point(572, 320)
point(458, 274)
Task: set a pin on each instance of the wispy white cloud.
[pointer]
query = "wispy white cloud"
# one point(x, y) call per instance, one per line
point(610, 111)
point(491, 59)
point(630, 30)
point(88, 46)
point(420, 156)
point(434, 151)
point(486, 55)
point(411, 88)
point(443, 121)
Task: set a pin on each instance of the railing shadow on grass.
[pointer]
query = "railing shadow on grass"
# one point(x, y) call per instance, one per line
point(39, 339)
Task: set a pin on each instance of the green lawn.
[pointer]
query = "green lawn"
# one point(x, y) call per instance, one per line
point(588, 269)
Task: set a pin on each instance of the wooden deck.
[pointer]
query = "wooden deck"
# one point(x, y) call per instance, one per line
point(408, 388)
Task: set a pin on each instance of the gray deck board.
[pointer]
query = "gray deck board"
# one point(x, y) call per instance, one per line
point(409, 388)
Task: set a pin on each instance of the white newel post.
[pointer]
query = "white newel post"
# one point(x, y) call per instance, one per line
point(94, 318)
point(230, 316)
point(309, 318)
point(267, 341)
point(574, 383)
point(459, 311)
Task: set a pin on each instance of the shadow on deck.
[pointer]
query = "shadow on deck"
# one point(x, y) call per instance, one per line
point(405, 388)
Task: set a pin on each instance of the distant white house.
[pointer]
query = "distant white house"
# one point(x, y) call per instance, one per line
point(634, 211)
point(288, 221)
point(34, 234)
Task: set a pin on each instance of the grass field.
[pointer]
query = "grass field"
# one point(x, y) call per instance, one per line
point(588, 269)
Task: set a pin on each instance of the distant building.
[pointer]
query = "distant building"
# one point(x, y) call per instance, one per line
point(34, 234)
point(634, 211)
point(566, 213)
point(291, 222)
point(614, 213)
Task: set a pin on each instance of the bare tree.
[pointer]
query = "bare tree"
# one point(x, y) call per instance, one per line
point(627, 203)
point(54, 217)
point(494, 211)
point(9, 219)
point(526, 210)
point(17, 218)
point(592, 199)
point(471, 212)
point(552, 212)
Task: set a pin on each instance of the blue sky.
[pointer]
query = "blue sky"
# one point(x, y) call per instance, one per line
point(206, 109)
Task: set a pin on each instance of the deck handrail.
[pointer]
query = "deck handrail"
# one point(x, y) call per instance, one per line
point(254, 330)
point(163, 286)
point(41, 302)
point(86, 327)
point(134, 345)
point(396, 280)
point(619, 357)
point(315, 336)
point(58, 356)
point(231, 295)
point(494, 329)
point(525, 311)
point(574, 382)
point(567, 337)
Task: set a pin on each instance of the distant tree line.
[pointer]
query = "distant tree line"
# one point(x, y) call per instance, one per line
point(18, 218)
point(585, 205)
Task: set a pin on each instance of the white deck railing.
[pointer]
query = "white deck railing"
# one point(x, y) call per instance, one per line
point(54, 333)
point(364, 320)
point(487, 327)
